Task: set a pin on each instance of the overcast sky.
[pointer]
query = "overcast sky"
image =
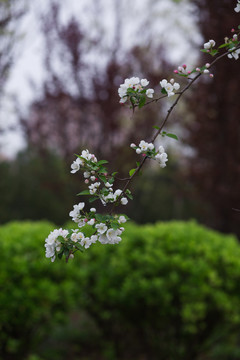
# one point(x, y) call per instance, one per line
point(172, 23)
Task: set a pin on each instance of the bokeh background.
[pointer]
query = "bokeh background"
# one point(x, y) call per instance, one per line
point(61, 64)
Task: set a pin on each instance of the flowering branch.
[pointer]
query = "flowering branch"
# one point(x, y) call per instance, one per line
point(108, 228)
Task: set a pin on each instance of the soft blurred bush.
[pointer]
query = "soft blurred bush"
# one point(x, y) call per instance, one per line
point(167, 291)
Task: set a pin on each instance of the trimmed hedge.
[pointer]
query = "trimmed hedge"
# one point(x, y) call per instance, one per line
point(167, 291)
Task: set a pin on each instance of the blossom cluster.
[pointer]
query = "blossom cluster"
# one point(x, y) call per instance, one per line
point(105, 231)
point(169, 87)
point(148, 149)
point(135, 90)
point(93, 171)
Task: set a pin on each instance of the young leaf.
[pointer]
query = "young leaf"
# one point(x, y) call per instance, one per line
point(102, 162)
point(131, 172)
point(84, 192)
point(92, 199)
point(156, 127)
point(141, 101)
point(173, 136)
point(103, 178)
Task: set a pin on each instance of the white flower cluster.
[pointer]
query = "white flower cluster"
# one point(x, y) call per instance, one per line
point(136, 84)
point(148, 149)
point(209, 45)
point(76, 165)
point(52, 243)
point(235, 54)
point(237, 8)
point(59, 239)
point(170, 86)
point(105, 193)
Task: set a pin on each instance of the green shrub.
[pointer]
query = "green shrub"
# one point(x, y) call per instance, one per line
point(167, 291)
point(34, 293)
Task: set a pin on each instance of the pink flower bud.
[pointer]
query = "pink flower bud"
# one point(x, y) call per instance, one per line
point(184, 66)
point(96, 179)
point(175, 72)
point(211, 75)
point(143, 155)
point(207, 65)
point(197, 69)
point(232, 30)
point(133, 87)
point(105, 174)
point(189, 72)
point(85, 220)
point(86, 181)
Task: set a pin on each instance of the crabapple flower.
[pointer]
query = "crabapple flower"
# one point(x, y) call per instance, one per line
point(237, 8)
point(138, 92)
point(75, 213)
point(52, 243)
point(86, 242)
point(93, 210)
point(124, 201)
point(144, 82)
point(101, 228)
point(76, 165)
point(234, 54)
point(162, 158)
point(112, 236)
point(169, 87)
point(122, 219)
point(210, 44)
point(150, 93)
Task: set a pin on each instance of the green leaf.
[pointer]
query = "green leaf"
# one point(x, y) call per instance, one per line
point(131, 172)
point(164, 91)
point(223, 45)
point(103, 178)
point(129, 196)
point(100, 217)
point(137, 163)
point(213, 52)
point(239, 27)
point(156, 127)
point(114, 173)
point(173, 136)
point(141, 101)
point(84, 192)
point(92, 199)
point(114, 225)
point(102, 162)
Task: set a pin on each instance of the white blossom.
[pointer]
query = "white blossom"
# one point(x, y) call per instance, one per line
point(144, 82)
point(86, 242)
point(234, 54)
point(122, 219)
point(93, 210)
point(101, 228)
point(76, 165)
point(237, 8)
point(150, 93)
point(118, 192)
point(113, 237)
point(103, 239)
point(91, 222)
point(124, 201)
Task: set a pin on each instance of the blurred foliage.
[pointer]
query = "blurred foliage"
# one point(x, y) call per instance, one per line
point(36, 188)
point(167, 291)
